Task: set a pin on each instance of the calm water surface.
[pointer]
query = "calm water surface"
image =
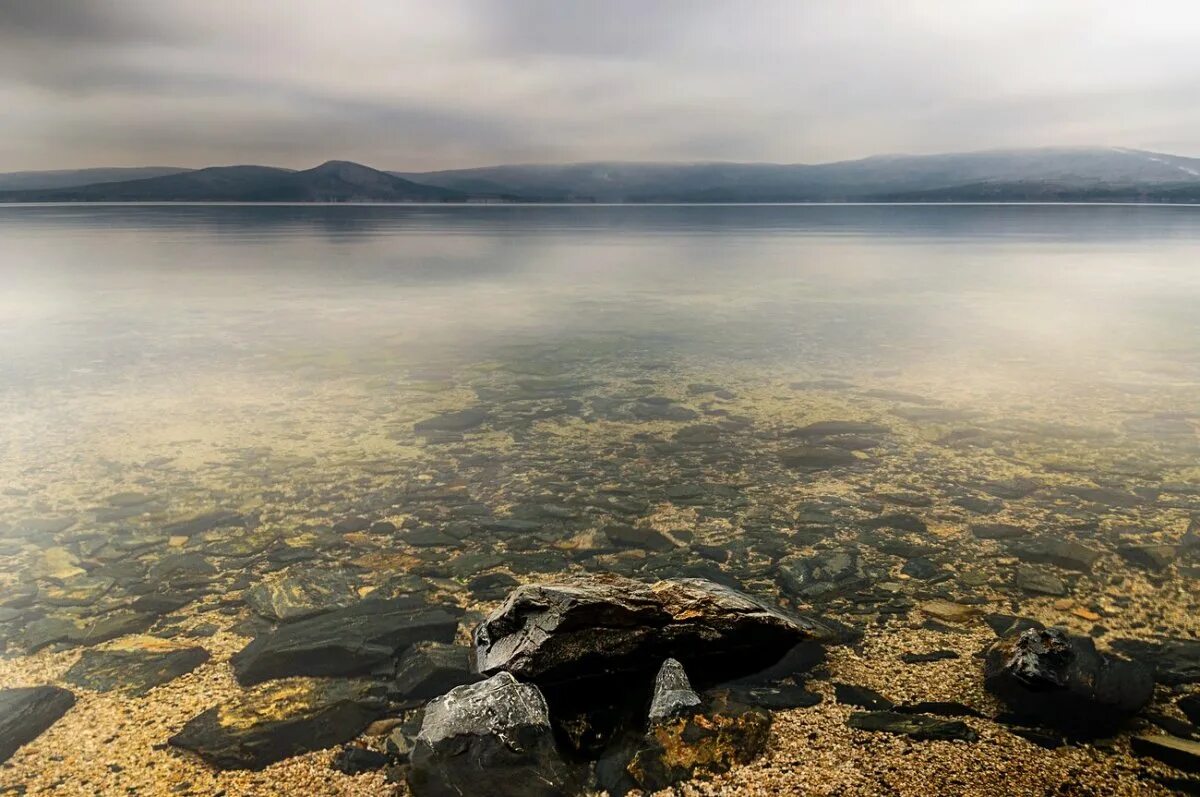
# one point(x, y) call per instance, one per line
point(415, 397)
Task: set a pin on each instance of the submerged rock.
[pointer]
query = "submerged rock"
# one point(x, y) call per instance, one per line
point(673, 693)
point(916, 726)
point(350, 641)
point(1061, 681)
point(825, 573)
point(1149, 556)
point(817, 457)
point(26, 712)
point(278, 720)
point(1173, 661)
point(295, 597)
point(354, 760)
point(429, 669)
point(493, 737)
point(605, 626)
point(135, 665)
point(458, 421)
point(1066, 554)
point(1180, 753)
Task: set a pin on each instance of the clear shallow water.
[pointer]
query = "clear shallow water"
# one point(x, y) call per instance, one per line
point(215, 418)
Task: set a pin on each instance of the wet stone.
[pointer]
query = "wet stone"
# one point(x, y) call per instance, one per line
point(862, 697)
point(673, 693)
point(429, 669)
point(1066, 554)
point(916, 726)
point(294, 597)
point(1182, 754)
point(926, 658)
point(350, 641)
point(458, 421)
point(355, 760)
point(648, 539)
point(1040, 581)
point(820, 575)
point(1149, 557)
point(698, 435)
point(281, 719)
point(26, 712)
point(495, 732)
point(997, 531)
point(1062, 681)
point(134, 665)
point(817, 457)
point(1173, 661)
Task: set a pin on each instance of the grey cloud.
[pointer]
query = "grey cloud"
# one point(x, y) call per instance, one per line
point(409, 84)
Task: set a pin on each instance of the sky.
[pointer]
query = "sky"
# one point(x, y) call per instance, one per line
point(431, 84)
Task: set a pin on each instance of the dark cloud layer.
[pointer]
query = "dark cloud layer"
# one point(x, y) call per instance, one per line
point(411, 85)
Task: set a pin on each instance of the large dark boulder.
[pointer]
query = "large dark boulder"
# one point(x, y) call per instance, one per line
point(26, 712)
point(491, 737)
point(356, 640)
point(1048, 677)
point(608, 625)
point(282, 719)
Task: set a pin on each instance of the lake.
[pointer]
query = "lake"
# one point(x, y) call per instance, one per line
point(217, 419)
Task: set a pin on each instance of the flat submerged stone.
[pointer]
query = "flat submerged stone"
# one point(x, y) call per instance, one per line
point(26, 713)
point(135, 665)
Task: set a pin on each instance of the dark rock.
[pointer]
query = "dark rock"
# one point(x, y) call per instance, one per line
point(997, 531)
point(350, 641)
point(904, 521)
point(351, 524)
point(1190, 706)
point(295, 597)
point(1066, 554)
point(796, 662)
point(921, 568)
point(817, 457)
point(916, 726)
point(1182, 754)
point(1150, 557)
point(862, 697)
point(1063, 682)
point(281, 719)
point(459, 421)
point(354, 760)
point(776, 698)
point(1009, 624)
point(1173, 661)
point(135, 665)
point(207, 521)
point(940, 708)
point(90, 631)
point(429, 669)
point(673, 694)
point(491, 586)
point(26, 712)
point(496, 732)
point(605, 626)
point(925, 658)
point(646, 539)
point(429, 537)
point(1042, 582)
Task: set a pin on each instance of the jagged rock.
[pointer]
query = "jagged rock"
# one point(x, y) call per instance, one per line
point(429, 669)
point(706, 740)
point(916, 726)
point(1180, 753)
point(355, 760)
point(1061, 681)
point(673, 693)
point(26, 712)
point(828, 572)
point(605, 626)
point(1173, 661)
point(281, 719)
point(350, 641)
point(1066, 554)
point(496, 732)
point(134, 664)
point(295, 597)
point(1150, 557)
point(817, 457)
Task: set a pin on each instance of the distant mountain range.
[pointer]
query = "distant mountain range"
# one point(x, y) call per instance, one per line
point(1099, 174)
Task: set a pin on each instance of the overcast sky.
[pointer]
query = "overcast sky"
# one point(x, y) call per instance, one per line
point(448, 83)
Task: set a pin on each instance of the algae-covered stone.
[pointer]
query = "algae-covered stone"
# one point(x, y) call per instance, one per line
point(135, 665)
point(281, 719)
point(26, 712)
point(916, 726)
point(294, 597)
